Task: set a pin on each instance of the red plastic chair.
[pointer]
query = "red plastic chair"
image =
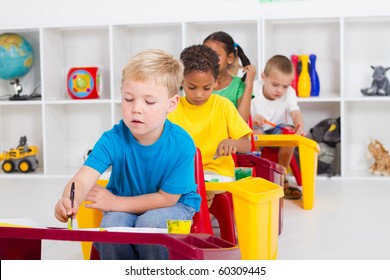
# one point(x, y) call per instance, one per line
point(201, 221)
point(221, 208)
point(223, 211)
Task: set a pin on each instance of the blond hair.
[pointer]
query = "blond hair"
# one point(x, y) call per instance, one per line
point(281, 63)
point(157, 65)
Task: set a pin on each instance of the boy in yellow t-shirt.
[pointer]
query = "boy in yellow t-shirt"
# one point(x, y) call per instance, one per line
point(213, 122)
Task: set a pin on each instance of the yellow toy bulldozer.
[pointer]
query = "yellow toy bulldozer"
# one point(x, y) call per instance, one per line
point(23, 158)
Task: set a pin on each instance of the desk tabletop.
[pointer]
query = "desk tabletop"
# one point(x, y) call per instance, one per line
point(195, 246)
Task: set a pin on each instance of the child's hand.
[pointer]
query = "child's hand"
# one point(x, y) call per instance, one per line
point(258, 120)
point(225, 148)
point(101, 199)
point(63, 209)
point(299, 130)
point(250, 71)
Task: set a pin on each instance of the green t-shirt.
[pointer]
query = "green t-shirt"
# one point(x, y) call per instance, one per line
point(233, 91)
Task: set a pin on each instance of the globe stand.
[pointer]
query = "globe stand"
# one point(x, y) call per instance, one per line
point(17, 90)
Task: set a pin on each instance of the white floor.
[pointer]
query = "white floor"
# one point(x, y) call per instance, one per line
point(350, 219)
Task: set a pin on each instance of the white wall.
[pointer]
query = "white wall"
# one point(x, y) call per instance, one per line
point(30, 13)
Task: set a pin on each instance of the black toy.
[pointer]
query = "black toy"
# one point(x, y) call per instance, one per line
point(327, 134)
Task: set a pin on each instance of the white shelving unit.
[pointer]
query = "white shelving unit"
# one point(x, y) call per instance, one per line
point(64, 128)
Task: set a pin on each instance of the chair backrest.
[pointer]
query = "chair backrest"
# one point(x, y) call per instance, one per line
point(201, 221)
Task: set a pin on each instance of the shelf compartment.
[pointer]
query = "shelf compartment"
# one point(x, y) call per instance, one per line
point(308, 36)
point(65, 48)
point(366, 121)
point(367, 41)
point(22, 120)
point(72, 129)
point(32, 80)
point(128, 40)
point(313, 113)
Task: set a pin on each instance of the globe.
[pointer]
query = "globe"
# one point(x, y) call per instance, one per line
point(16, 56)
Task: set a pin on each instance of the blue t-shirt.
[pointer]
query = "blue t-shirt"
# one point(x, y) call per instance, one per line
point(167, 164)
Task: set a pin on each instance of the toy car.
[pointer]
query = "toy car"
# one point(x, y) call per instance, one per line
point(23, 158)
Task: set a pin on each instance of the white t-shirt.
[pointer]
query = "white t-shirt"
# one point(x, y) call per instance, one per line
point(276, 111)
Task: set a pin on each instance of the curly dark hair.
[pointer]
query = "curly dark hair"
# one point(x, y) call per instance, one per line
point(200, 58)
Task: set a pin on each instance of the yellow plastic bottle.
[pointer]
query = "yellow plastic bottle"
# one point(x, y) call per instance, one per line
point(304, 85)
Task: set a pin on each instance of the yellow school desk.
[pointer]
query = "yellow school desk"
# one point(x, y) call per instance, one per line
point(308, 153)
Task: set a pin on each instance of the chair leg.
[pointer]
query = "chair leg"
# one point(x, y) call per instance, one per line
point(296, 171)
point(221, 203)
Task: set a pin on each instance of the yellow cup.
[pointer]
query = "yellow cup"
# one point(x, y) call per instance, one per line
point(179, 226)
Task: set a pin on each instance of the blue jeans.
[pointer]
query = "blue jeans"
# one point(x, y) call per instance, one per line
point(277, 129)
point(155, 218)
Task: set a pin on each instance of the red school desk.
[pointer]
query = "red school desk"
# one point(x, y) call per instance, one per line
point(25, 243)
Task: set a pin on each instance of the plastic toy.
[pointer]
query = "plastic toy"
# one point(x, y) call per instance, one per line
point(295, 59)
point(314, 79)
point(84, 82)
point(380, 84)
point(23, 158)
point(381, 157)
point(327, 134)
point(16, 60)
point(304, 85)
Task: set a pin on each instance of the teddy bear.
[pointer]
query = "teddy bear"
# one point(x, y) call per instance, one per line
point(380, 83)
point(327, 134)
point(381, 157)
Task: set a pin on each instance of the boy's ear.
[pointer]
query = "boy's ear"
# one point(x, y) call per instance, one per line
point(172, 103)
point(262, 76)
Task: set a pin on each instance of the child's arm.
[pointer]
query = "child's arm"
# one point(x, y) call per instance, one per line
point(228, 147)
point(297, 118)
point(84, 180)
point(104, 200)
point(244, 103)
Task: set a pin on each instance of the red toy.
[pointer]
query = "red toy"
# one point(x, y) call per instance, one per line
point(84, 82)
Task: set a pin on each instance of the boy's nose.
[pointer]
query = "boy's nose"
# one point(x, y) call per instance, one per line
point(136, 107)
point(198, 94)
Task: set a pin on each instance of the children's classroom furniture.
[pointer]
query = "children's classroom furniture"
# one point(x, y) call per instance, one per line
point(271, 153)
point(18, 243)
point(256, 211)
point(308, 153)
point(266, 169)
point(90, 218)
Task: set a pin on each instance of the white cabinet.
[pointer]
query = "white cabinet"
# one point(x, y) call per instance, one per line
point(65, 129)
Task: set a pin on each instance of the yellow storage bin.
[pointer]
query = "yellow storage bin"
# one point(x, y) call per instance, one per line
point(89, 218)
point(256, 211)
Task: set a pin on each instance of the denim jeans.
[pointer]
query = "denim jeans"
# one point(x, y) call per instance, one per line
point(155, 218)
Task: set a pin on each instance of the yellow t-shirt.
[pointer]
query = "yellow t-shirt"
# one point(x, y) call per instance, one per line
point(208, 125)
